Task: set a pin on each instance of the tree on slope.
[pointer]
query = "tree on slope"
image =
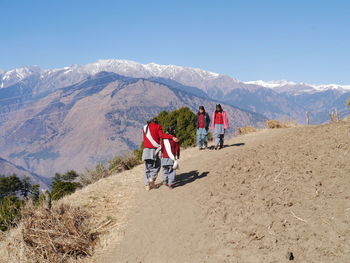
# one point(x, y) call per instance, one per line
point(184, 121)
point(62, 184)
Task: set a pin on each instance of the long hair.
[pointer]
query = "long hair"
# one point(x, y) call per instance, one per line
point(220, 108)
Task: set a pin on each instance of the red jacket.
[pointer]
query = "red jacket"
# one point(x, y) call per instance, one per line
point(175, 149)
point(225, 118)
point(156, 133)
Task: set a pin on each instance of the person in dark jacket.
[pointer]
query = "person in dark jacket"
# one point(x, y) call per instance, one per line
point(202, 125)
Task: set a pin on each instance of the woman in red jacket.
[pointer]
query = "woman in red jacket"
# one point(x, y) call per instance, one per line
point(152, 133)
point(219, 125)
point(170, 155)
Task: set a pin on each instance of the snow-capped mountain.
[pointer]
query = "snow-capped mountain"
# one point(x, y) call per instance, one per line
point(194, 77)
point(265, 97)
point(13, 76)
point(297, 88)
point(214, 84)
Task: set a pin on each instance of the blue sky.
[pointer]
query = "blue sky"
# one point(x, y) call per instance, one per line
point(296, 40)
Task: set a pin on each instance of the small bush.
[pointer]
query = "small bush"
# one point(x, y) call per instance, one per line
point(62, 184)
point(61, 189)
point(246, 130)
point(210, 137)
point(93, 175)
point(119, 164)
point(10, 211)
point(273, 124)
point(57, 235)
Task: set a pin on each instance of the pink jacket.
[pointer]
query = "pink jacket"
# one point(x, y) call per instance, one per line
point(224, 115)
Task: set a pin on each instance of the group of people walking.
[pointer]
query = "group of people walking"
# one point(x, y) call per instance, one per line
point(219, 124)
point(162, 149)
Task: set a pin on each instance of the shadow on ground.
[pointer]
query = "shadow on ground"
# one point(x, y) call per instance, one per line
point(189, 177)
point(235, 144)
point(228, 145)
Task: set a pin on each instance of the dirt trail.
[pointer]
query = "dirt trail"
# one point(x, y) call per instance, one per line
point(267, 197)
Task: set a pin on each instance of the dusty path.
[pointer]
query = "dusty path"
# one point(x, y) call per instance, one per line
point(264, 197)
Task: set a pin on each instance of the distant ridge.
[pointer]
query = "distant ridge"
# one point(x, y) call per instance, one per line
point(8, 168)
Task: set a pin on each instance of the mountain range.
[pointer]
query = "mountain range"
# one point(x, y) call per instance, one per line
point(74, 117)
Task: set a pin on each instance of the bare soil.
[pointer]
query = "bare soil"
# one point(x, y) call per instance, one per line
point(272, 196)
point(277, 195)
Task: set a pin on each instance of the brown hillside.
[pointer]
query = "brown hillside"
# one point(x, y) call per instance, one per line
point(266, 197)
point(88, 123)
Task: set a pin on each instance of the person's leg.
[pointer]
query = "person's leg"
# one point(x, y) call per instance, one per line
point(165, 175)
point(203, 142)
point(205, 138)
point(222, 140)
point(217, 139)
point(172, 174)
point(199, 139)
point(147, 171)
point(154, 169)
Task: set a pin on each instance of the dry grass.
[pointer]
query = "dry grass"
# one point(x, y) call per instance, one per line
point(123, 163)
point(60, 235)
point(246, 130)
point(91, 176)
point(116, 165)
point(107, 201)
point(346, 118)
point(274, 124)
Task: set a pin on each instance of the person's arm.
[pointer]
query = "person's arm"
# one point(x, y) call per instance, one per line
point(163, 135)
point(213, 121)
point(178, 150)
point(226, 120)
point(208, 121)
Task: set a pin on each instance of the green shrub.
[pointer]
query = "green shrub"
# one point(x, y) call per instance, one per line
point(61, 189)
point(9, 185)
point(10, 211)
point(184, 121)
point(62, 184)
point(13, 185)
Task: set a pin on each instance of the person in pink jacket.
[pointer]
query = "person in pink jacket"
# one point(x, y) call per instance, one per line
point(219, 125)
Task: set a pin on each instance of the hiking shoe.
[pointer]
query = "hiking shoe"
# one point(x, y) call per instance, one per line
point(151, 183)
